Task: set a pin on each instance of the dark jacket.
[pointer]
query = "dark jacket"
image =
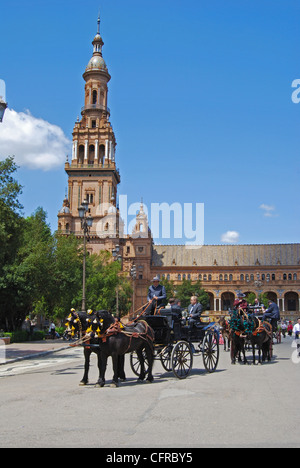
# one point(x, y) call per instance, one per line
point(158, 291)
point(272, 311)
point(195, 311)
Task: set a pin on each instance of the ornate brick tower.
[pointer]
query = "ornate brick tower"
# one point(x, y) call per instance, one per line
point(92, 172)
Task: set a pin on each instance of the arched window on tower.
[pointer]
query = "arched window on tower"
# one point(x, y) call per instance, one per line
point(94, 97)
point(101, 154)
point(80, 154)
point(91, 154)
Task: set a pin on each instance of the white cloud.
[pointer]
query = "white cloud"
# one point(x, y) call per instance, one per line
point(35, 143)
point(230, 237)
point(268, 210)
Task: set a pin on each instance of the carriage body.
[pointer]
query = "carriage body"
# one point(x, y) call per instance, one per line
point(176, 348)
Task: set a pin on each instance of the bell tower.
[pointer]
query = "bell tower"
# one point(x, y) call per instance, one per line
point(92, 172)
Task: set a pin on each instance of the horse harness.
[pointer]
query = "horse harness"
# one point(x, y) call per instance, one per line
point(117, 327)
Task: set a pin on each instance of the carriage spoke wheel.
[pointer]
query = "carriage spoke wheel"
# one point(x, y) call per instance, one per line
point(165, 358)
point(135, 363)
point(210, 351)
point(182, 359)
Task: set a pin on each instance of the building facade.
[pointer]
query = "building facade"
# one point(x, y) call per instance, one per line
point(93, 175)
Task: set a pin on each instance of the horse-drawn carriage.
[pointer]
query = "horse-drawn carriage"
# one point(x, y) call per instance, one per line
point(161, 336)
point(176, 345)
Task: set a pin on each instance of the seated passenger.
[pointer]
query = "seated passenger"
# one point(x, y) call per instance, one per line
point(195, 310)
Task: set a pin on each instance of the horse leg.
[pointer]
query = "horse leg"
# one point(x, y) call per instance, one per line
point(233, 352)
point(121, 372)
point(149, 353)
point(253, 353)
point(244, 354)
point(139, 353)
point(102, 362)
point(99, 366)
point(259, 354)
point(87, 354)
point(115, 360)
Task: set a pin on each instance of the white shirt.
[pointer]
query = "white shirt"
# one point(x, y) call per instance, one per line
point(296, 328)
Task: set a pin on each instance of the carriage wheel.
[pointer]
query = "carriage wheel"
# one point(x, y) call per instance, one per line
point(135, 363)
point(182, 359)
point(165, 358)
point(210, 352)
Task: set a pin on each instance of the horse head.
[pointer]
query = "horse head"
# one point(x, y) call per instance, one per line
point(76, 322)
point(103, 320)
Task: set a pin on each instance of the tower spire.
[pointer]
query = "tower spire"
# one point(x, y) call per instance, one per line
point(98, 23)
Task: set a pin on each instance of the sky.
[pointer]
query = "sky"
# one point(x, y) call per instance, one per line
point(204, 105)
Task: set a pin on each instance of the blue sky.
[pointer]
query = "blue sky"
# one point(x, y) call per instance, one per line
point(200, 101)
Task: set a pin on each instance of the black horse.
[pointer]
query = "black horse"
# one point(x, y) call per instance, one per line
point(107, 338)
point(260, 335)
point(117, 340)
point(80, 323)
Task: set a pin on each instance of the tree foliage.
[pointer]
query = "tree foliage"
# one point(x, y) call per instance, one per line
point(187, 288)
point(41, 272)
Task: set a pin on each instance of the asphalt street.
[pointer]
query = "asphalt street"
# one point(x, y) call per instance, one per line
point(42, 404)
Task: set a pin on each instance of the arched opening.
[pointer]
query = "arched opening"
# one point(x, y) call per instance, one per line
point(211, 301)
point(80, 154)
point(291, 301)
point(91, 154)
point(227, 300)
point(94, 97)
point(101, 154)
point(272, 296)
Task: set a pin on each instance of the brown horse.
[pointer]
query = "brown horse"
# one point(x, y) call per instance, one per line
point(260, 334)
point(225, 332)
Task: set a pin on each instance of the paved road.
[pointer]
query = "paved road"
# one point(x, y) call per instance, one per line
point(42, 405)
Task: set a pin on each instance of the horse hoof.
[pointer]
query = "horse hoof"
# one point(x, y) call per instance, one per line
point(82, 383)
point(114, 385)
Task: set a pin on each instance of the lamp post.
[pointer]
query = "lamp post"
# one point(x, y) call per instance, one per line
point(133, 276)
point(117, 258)
point(86, 224)
point(3, 104)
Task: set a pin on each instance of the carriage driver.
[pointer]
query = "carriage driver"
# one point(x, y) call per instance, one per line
point(157, 294)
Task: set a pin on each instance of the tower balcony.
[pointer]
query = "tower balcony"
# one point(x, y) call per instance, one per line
point(95, 107)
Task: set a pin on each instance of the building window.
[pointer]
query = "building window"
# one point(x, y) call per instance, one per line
point(179, 277)
point(221, 277)
point(242, 277)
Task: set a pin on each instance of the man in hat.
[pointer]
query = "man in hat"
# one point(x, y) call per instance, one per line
point(156, 295)
point(240, 302)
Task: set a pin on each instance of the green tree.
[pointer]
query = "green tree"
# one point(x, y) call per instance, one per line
point(170, 288)
point(103, 278)
point(187, 288)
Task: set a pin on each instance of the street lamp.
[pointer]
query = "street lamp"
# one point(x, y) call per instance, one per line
point(86, 224)
point(117, 258)
point(3, 104)
point(133, 276)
